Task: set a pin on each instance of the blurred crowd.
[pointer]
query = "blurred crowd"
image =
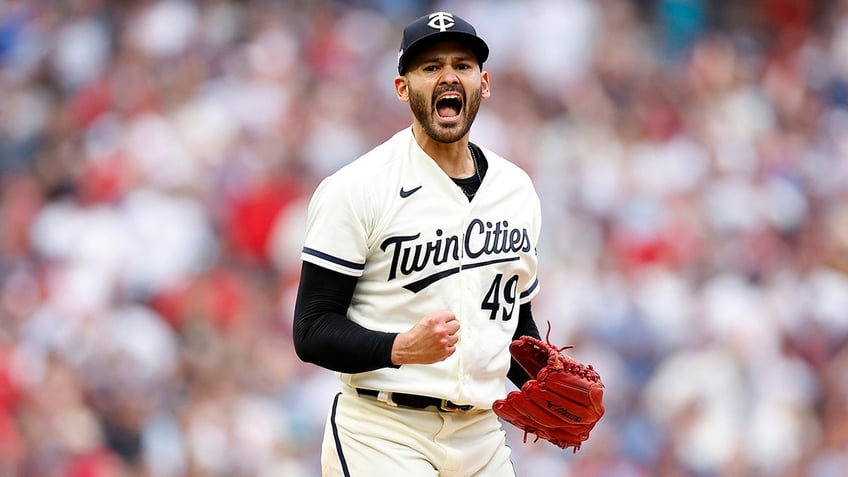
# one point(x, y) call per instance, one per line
point(156, 158)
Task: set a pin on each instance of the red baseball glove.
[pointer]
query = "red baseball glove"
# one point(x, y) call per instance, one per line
point(564, 401)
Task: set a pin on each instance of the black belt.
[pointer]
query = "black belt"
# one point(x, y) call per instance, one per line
point(417, 402)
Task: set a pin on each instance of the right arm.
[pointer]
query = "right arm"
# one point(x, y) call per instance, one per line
point(325, 336)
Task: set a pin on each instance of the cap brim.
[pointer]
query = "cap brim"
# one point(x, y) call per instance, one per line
point(475, 43)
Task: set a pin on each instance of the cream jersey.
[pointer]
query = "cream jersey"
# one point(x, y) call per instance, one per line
point(396, 221)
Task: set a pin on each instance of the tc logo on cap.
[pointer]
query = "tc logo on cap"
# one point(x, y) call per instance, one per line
point(441, 21)
point(436, 26)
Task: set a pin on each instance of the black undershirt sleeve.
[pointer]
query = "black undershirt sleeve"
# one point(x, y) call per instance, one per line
point(526, 327)
point(323, 334)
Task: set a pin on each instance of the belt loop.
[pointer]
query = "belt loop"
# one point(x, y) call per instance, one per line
point(386, 397)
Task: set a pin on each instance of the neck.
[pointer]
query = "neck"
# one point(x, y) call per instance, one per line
point(453, 158)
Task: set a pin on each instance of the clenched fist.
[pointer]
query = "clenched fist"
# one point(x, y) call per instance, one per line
point(431, 340)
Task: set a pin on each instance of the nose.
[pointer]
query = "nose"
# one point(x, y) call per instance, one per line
point(449, 76)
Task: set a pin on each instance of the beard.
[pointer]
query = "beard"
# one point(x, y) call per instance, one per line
point(424, 110)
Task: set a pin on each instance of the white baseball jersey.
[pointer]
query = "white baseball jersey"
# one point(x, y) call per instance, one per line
point(394, 219)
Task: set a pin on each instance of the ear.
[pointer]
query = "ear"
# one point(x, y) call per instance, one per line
point(402, 89)
point(484, 79)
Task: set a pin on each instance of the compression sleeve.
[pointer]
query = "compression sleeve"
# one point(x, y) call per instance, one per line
point(526, 327)
point(323, 334)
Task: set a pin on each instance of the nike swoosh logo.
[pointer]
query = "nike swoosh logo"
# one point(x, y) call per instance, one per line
point(406, 193)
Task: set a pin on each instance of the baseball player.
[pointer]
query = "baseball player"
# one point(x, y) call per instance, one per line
point(419, 266)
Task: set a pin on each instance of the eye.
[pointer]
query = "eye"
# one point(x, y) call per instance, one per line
point(430, 68)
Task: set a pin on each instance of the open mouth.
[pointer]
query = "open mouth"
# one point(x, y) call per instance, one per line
point(449, 105)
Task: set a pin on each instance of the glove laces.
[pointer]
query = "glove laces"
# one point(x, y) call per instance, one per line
point(572, 366)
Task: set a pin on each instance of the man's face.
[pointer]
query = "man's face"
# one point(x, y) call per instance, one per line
point(444, 87)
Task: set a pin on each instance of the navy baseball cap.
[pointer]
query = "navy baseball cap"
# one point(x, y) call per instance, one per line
point(439, 26)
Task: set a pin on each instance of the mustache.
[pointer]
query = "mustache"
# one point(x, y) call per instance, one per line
point(451, 88)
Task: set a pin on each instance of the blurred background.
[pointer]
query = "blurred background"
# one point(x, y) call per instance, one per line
point(156, 158)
